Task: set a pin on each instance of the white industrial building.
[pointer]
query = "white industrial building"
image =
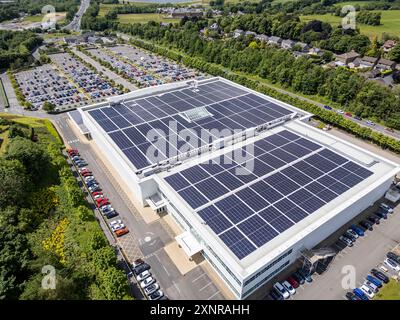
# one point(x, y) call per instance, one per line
point(243, 275)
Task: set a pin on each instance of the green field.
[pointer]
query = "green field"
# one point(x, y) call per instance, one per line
point(353, 3)
point(144, 18)
point(390, 23)
point(390, 291)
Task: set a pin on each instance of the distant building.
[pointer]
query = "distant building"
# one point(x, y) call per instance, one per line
point(214, 27)
point(384, 64)
point(298, 54)
point(346, 58)
point(389, 45)
point(262, 37)
point(237, 33)
point(304, 46)
point(316, 52)
point(367, 62)
point(288, 44)
point(250, 33)
point(185, 12)
point(371, 74)
point(275, 40)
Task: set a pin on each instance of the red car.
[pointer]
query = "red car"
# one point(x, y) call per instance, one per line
point(86, 174)
point(96, 193)
point(293, 282)
point(102, 202)
point(72, 151)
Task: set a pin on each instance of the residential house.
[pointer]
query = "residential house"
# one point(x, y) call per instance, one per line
point(389, 45)
point(288, 44)
point(366, 62)
point(275, 40)
point(385, 64)
point(371, 74)
point(250, 33)
point(214, 27)
point(262, 37)
point(345, 58)
point(316, 52)
point(298, 54)
point(237, 33)
point(303, 46)
point(185, 12)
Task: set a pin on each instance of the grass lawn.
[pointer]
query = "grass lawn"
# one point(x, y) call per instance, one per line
point(4, 137)
point(390, 291)
point(390, 23)
point(283, 1)
point(353, 3)
point(144, 18)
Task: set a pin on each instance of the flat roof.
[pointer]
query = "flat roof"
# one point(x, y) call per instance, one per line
point(260, 231)
point(155, 125)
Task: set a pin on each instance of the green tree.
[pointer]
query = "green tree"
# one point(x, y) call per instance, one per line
point(14, 182)
point(48, 107)
point(113, 284)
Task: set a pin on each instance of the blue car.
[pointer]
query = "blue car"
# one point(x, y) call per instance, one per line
point(357, 230)
point(375, 281)
point(359, 293)
point(306, 275)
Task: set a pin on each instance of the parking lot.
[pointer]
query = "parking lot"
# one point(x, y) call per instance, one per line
point(165, 69)
point(367, 252)
point(44, 83)
point(139, 76)
point(94, 86)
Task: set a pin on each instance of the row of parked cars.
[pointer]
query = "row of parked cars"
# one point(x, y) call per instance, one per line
point(287, 288)
point(146, 281)
point(375, 281)
point(351, 235)
point(102, 203)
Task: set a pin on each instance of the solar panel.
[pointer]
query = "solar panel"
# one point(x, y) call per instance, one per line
point(211, 188)
point(193, 197)
point(177, 181)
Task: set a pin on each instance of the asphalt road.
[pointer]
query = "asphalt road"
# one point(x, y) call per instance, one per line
point(75, 24)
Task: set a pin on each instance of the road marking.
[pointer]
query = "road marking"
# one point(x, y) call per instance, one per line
point(194, 280)
point(176, 287)
point(212, 296)
point(208, 284)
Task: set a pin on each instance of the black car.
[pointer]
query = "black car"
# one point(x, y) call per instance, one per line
point(349, 236)
point(374, 219)
point(380, 275)
point(357, 117)
point(381, 214)
point(366, 224)
point(393, 256)
point(275, 295)
point(111, 214)
point(139, 269)
point(351, 296)
point(298, 277)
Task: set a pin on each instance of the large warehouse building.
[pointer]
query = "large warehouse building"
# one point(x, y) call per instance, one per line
point(250, 183)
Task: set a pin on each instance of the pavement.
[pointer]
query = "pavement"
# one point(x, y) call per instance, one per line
point(145, 240)
point(110, 74)
point(75, 24)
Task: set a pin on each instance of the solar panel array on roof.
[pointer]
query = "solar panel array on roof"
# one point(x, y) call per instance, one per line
point(292, 178)
point(130, 123)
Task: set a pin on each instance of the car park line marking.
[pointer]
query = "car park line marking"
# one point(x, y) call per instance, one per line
point(194, 280)
point(213, 295)
point(207, 285)
point(176, 287)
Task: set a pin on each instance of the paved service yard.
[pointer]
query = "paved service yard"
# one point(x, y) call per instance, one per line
point(367, 253)
point(144, 239)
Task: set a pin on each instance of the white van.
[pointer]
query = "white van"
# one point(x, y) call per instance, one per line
point(280, 288)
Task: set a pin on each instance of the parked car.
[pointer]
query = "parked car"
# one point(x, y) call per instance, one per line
point(349, 236)
point(94, 187)
point(380, 275)
point(366, 224)
point(289, 287)
point(146, 282)
point(121, 232)
point(370, 123)
point(156, 295)
point(151, 288)
point(143, 275)
point(372, 286)
point(96, 193)
point(111, 214)
point(392, 264)
point(298, 277)
point(275, 294)
point(117, 227)
point(386, 207)
point(328, 107)
point(381, 214)
point(293, 282)
point(357, 230)
point(367, 291)
point(359, 293)
point(393, 256)
point(351, 296)
point(374, 219)
point(305, 275)
point(347, 241)
point(141, 268)
point(375, 281)
point(352, 232)
point(358, 118)
point(281, 289)
point(137, 262)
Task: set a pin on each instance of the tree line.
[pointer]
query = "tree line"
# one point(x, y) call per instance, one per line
point(45, 220)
